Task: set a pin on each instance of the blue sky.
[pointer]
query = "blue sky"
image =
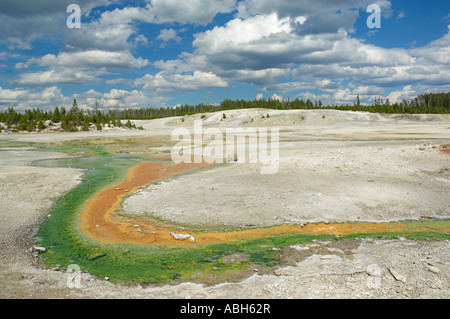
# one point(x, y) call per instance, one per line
point(154, 53)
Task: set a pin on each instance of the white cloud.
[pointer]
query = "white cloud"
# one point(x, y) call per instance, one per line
point(127, 15)
point(75, 67)
point(288, 87)
point(259, 42)
point(368, 90)
point(264, 76)
point(436, 52)
point(199, 12)
point(22, 23)
point(124, 99)
point(189, 11)
point(259, 97)
point(167, 35)
point(258, 50)
point(326, 99)
point(51, 97)
point(106, 43)
point(286, 46)
point(248, 50)
point(407, 93)
point(243, 34)
point(23, 99)
point(185, 82)
point(101, 36)
point(264, 48)
point(276, 97)
point(325, 16)
point(59, 76)
point(344, 96)
point(118, 99)
point(89, 59)
point(371, 66)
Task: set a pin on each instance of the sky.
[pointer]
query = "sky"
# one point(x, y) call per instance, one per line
point(163, 53)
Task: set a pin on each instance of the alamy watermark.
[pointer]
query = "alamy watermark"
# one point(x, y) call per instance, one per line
point(374, 279)
point(74, 20)
point(74, 279)
point(373, 21)
point(239, 145)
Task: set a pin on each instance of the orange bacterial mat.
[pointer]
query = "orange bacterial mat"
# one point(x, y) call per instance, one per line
point(100, 221)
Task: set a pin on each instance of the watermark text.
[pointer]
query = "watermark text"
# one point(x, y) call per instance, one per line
point(239, 145)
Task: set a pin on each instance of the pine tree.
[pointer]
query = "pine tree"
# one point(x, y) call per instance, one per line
point(56, 117)
point(41, 125)
point(74, 109)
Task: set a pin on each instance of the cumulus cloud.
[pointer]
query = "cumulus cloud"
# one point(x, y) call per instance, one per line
point(59, 76)
point(191, 11)
point(276, 97)
point(75, 67)
point(88, 53)
point(98, 36)
point(88, 59)
point(264, 48)
point(436, 52)
point(200, 12)
point(105, 43)
point(256, 43)
point(369, 90)
point(407, 93)
point(167, 35)
point(326, 16)
point(21, 98)
point(51, 97)
point(306, 48)
point(20, 23)
point(124, 99)
point(289, 87)
point(184, 82)
point(257, 50)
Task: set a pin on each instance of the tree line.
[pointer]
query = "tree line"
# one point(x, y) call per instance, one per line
point(70, 120)
point(74, 119)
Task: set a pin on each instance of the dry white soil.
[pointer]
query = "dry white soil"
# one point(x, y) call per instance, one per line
point(334, 167)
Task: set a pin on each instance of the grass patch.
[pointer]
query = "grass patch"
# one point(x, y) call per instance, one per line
point(417, 235)
point(78, 149)
point(12, 143)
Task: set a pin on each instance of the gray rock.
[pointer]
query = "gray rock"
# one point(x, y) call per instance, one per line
point(39, 249)
point(397, 275)
point(433, 269)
